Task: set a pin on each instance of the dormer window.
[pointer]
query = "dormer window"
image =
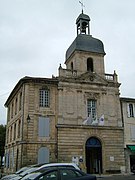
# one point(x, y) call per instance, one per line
point(90, 64)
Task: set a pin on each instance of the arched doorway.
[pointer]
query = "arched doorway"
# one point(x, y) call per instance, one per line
point(93, 155)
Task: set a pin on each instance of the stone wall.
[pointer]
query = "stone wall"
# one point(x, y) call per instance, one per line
point(72, 141)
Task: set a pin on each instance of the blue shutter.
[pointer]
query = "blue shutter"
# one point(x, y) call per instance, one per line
point(43, 155)
point(43, 127)
point(13, 158)
point(132, 127)
point(7, 159)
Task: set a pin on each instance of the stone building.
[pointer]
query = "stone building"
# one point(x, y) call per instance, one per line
point(128, 112)
point(74, 117)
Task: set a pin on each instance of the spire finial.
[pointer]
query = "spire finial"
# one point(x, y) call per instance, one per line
point(82, 4)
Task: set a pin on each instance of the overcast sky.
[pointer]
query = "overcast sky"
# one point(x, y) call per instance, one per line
point(35, 34)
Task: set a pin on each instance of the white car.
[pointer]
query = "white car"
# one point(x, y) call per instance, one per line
point(72, 165)
point(59, 173)
point(45, 166)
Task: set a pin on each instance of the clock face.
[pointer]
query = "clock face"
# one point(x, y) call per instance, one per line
point(91, 78)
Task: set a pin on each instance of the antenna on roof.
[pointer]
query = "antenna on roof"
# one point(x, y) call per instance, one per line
point(82, 4)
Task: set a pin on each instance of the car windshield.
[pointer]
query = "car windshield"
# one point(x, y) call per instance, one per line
point(65, 173)
point(28, 167)
point(69, 173)
point(31, 176)
point(32, 169)
point(9, 176)
point(22, 170)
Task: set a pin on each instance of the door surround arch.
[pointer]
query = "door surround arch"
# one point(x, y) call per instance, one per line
point(93, 155)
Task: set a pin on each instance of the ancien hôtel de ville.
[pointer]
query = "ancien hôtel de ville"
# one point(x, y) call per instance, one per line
point(77, 116)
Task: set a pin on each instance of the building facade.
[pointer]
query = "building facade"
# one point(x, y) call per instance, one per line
point(128, 112)
point(74, 117)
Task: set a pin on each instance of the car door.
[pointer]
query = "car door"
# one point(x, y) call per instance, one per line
point(53, 175)
point(66, 174)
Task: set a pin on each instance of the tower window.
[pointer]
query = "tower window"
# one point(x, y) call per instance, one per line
point(84, 26)
point(90, 64)
point(72, 66)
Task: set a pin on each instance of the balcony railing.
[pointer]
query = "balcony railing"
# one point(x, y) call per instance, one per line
point(111, 77)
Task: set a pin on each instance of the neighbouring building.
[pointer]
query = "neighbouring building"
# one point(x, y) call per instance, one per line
point(128, 113)
point(74, 117)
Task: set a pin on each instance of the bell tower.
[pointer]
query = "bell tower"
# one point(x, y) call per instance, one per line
point(86, 53)
point(82, 23)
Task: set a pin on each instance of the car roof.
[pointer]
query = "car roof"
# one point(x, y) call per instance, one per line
point(59, 164)
point(28, 171)
point(50, 169)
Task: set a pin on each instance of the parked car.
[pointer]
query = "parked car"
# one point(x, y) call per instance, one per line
point(11, 176)
point(60, 173)
point(133, 169)
point(21, 172)
point(72, 165)
point(41, 167)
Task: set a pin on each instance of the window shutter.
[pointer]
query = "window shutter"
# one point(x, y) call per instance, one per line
point(13, 158)
point(43, 127)
point(133, 110)
point(132, 132)
point(47, 127)
point(43, 155)
point(7, 160)
point(128, 111)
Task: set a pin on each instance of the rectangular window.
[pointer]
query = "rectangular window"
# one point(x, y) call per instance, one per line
point(132, 127)
point(12, 109)
point(44, 98)
point(20, 101)
point(19, 128)
point(8, 114)
point(130, 110)
point(12, 158)
point(7, 159)
point(43, 127)
point(16, 102)
point(91, 108)
point(14, 131)
point(7, 136)
point(11, 134)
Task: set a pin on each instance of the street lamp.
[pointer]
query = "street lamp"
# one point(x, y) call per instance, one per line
point(28, 118)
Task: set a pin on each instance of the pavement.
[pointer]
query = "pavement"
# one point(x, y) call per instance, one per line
point(107, 175)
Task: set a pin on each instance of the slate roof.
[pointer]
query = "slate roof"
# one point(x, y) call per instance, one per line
point(86, 43)
point(83, 16)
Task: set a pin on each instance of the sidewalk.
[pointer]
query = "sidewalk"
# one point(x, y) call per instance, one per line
point(107, 175)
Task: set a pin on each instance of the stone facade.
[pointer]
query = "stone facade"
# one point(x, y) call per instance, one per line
point(128, 112)
point(72, 142)
point(58, 119)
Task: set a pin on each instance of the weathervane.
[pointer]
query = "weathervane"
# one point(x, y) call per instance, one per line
point(82, 4)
